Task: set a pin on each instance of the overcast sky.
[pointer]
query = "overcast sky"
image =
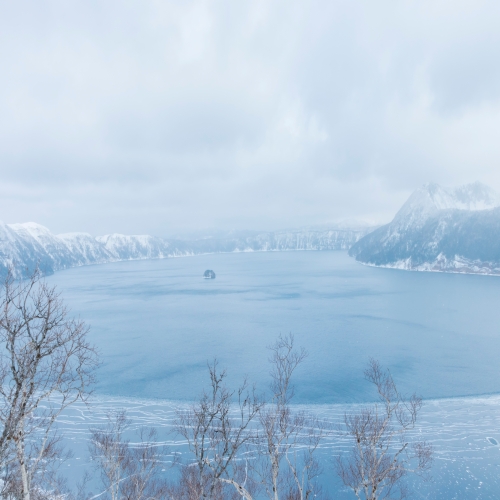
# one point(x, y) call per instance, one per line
point(168, 116)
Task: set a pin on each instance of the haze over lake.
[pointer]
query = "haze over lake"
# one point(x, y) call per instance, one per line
point(157, 323)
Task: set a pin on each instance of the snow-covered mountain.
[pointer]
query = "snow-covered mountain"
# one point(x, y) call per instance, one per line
point(123, 247)
point(439, 229)
point(23, 246)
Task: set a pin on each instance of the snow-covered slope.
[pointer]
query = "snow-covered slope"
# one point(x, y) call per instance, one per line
point(83, 249)
point(430, 199)
point(123, 247)
point(439, 229)
point(293, 239)
point(24, 246)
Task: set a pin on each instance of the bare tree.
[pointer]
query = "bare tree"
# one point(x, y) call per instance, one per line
point(147, 461)
point(382, 453)
point(129, 471)
point(46, 364)
point(109, 451)
point(287, 467)
point(46, 483)
point(217, 429)
point(189, 487)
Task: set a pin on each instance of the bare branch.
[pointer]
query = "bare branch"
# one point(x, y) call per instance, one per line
point(217, 429)
point(382, 454)
point(283, 470)
point(128, 471)
point(46, 364)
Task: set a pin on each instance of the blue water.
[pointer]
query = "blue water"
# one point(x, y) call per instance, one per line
point(157, 323)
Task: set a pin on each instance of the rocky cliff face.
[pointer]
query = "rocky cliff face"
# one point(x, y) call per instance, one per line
point(23, 246)
point(439, 229)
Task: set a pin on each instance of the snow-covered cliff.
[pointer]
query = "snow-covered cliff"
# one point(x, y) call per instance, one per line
point(439, 229)
point(123, 247)
point(24, 246)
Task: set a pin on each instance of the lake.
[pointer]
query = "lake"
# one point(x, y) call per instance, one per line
point(157, 323)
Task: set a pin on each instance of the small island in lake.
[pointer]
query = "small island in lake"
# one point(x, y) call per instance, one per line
point(209, 274)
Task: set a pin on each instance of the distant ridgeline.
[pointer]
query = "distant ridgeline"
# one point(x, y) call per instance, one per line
point(439, 229)
point(24, 245)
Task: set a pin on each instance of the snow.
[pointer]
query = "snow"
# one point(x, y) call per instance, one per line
point(439, 229)
point(430, 198)
point(30, 244)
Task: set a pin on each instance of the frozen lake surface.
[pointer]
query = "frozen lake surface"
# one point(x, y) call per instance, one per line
point(466, 465)
point(157, 323)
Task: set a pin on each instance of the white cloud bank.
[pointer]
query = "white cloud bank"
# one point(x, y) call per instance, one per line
point(161, 116)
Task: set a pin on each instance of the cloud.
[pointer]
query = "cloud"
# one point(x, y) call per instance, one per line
point(159, 116)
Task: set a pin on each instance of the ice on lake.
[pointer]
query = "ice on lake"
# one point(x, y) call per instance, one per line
point(466, 464)
point(157, 323)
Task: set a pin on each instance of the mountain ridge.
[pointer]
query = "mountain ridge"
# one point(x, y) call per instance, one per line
point(26, 245)
point(439, 229)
